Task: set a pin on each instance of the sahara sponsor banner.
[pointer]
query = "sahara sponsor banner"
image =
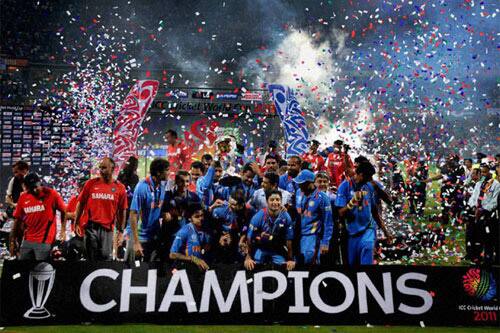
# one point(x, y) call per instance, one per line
point(112, 292)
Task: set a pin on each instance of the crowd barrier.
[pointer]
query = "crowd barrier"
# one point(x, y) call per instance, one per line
point(115, 292)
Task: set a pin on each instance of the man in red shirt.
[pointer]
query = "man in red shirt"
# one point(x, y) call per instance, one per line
point(35, 214)
point(315, 160)
point(339, 163)
point(177, 154)
point(104, 200)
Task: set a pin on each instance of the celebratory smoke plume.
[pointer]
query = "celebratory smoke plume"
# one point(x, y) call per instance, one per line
point(312, 64)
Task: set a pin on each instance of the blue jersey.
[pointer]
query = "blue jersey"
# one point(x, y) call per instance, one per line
point(191, 242)
point(208, 191)
point(280, 226)
point(175, 204)
point(147, 201)
point(286, 183)
point(316, 216)
point(229, 219)
point(363, 218)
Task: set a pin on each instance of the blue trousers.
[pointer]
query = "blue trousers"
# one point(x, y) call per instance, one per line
point(266, 256)
point(360, 248)
point(309, 249)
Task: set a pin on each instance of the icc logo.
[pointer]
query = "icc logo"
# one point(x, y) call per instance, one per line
point(41, 280)
point(479, 284)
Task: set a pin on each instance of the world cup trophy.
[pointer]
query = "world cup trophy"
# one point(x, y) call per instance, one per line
point(41, 280)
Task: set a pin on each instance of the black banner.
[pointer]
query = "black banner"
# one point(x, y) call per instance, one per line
point(64, 292)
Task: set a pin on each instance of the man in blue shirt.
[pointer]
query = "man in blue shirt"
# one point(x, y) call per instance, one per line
point(147, 201)
point(192, 242)
point(230, 221)
point(247, 182)
point(286, 183)
point(174, 207)
point(269, 233)
point(286, 180)
point(316, 221)
point(357, 203)
point(207, 187)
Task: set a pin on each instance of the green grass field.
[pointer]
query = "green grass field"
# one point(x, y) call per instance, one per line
point(243, 329)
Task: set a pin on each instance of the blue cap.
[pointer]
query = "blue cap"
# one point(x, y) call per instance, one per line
point(304, 176)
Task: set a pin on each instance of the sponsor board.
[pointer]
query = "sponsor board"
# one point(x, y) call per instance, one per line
point(227, 96)
point(251, 96)
point(202, 94)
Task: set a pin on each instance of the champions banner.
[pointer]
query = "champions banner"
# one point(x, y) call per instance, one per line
point(129, 120)
point(291, 117)
point(112, 292)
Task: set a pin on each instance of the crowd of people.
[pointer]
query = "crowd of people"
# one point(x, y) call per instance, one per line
point(320, 208)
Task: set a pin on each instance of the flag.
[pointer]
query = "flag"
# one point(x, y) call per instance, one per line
point(291, 117)
point(130, 118)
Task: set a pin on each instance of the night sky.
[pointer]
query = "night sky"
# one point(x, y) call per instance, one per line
point(346, 59)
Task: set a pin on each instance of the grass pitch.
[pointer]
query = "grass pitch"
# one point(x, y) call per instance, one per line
point(243, 329)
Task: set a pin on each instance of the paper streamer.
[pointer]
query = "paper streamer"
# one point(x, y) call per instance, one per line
point(130, 118)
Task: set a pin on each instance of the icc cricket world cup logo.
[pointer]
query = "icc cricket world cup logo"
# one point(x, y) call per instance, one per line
point(41, 280)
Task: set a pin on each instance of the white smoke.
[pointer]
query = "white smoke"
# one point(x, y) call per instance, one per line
point(313, 65)
point(355, 123)
point(308, 63)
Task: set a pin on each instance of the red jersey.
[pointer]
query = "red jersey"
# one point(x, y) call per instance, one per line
point(101, 201)
point(179, 158)
point(71, 208)
point(337, 167)
point(38, 213)
point(317, 161)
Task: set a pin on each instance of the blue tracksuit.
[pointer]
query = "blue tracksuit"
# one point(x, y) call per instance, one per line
point(280, 227)
point(192, 242)
point(360, 223)
point(316, 224)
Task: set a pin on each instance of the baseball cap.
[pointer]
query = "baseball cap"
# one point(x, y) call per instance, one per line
point(304, 176)
point(32, 181)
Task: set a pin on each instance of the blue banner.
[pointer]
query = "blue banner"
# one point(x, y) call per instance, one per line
point(291, 117)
